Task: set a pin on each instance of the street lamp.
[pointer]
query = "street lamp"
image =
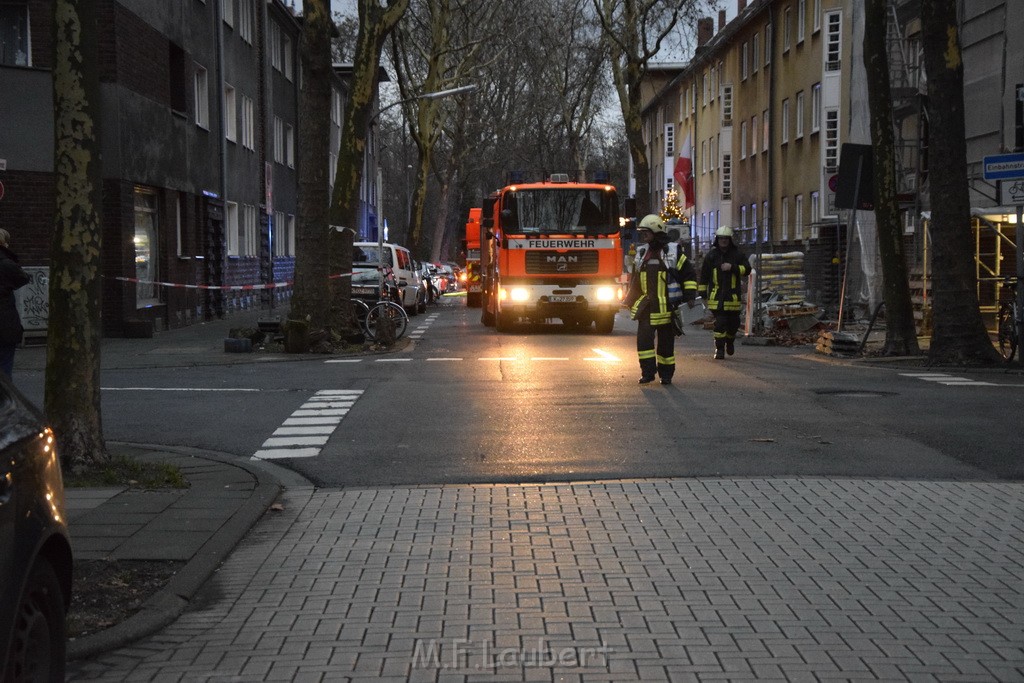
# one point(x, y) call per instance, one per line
point(425, 96)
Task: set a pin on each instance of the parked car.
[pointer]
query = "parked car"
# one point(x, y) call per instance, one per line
point(35, 550)
point(398, 260)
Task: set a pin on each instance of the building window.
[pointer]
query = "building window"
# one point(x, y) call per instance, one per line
point(743, 217)
point(713, 152)
point(670, 140)
point(816, 16)
point(799, 114)
point(245, 20)
point(703, 156)
point(286, 57)
point(832, 140)
point(278, 140)
point(787, 24)
point(753, 134)
point(765, 233)
point(743, 140)
point(179, 224)
point(767, 44)
point(335, 107)
point(744, 61)
point(726, 176)
point(727, 105)
point(798, 210)
point(230, 114)
point(15, 40)
point(275, 46)
point(784, 227)
point(147, 246)
point(704, 98)
point(815, 215)
point(231, 227)
point(227, 10)
point(755, 53)
point(833, 40)
point(816, 108)
point(715, 81)
point(289, 145)
point(753, 219)
point(764, 131)
point(248, 124)
point(202, 98)
point(251, 234)
point(785, 121)
point(177, 78)
point(801, 20)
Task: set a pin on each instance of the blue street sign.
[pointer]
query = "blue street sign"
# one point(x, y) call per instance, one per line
point(1003, 167)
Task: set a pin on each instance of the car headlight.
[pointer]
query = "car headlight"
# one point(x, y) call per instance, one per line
point(519, 294)
point(606, 293)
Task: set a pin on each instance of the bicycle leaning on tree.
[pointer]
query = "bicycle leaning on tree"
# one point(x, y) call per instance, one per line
point(1008, 322)
point(385, 312)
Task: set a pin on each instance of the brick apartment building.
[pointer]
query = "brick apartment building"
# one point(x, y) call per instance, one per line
point(199, 117)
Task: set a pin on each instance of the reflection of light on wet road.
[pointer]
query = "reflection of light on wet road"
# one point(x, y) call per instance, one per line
point(603, 356)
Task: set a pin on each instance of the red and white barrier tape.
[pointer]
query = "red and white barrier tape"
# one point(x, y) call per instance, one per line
point(222, 288)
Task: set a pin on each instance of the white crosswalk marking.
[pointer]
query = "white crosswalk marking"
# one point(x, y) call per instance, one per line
point(947, 380)
point(307, 430)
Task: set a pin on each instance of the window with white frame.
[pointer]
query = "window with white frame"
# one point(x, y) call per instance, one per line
point(798, 211)
point(704, 96)
point(755, 53)
point(744, 61)
point(743, 140)
point(754, 129)
point(832, 140)
point(764, 220)
point(764, 131)
point(833, 40)
point(753, 218)
point(670, 139)
point(703, 156)
point(784, 226)
point(801, 20)
point(291, 235)
point(713, 152)
point(816, 108)
point(743, 217)
point(799, 114)
point(15, 38)
point(727, 105)
point(278, 140)
point(286, 57)
point(767, 44)
point(715, 81)
point(815, 215)
point(179, 224)
point(726, 176)
point(787, 27)
point(248, 124)
point(231, 227)
point(785, 121)
point(275, 45)
point(202, 98)
point(816, 16)
point(245, 20)
point(230, 114)
point(289, 145)
point(278, 234)
point(227, 11)
point(251, 236)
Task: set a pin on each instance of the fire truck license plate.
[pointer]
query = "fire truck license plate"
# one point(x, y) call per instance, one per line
point(562, 299)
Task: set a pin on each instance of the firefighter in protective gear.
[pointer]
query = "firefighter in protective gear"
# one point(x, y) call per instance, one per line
point(721, 280)
point(658, 264)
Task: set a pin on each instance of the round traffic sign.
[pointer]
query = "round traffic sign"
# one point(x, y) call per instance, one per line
point(833, 182)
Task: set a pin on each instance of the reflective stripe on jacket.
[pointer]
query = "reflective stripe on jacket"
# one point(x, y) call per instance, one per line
point(722, 289)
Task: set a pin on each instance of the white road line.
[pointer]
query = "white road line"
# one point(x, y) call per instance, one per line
point(500, 358)
point(393, 360)
point(949, 380)
point(603, 356)
point(345, 360)
point(436, 359)
point(545, 358)
point(309, 428)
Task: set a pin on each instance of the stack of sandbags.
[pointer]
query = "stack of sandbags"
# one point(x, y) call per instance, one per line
point(782, 274)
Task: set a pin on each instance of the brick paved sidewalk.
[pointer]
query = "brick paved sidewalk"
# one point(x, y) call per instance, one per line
point(649, 580)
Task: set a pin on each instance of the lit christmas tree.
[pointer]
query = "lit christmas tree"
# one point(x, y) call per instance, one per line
point(671, 208)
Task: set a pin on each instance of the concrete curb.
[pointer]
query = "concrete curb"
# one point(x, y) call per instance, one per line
point(168, 604)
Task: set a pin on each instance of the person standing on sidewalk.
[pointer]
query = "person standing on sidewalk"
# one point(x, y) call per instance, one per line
point(721, 282)
point(648, 299)
point(11, 278)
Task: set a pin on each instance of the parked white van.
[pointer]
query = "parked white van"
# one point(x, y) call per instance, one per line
point(364, 279)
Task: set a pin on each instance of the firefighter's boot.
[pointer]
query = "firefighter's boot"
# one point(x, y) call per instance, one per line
point(719, 349)
point(730, 346)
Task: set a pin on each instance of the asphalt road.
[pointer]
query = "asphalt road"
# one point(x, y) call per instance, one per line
point(465, 404)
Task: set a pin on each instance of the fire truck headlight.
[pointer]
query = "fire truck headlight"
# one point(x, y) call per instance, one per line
point(606, 293)
point(519, 294)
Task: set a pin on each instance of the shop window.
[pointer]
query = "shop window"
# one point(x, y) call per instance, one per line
point(147, 247)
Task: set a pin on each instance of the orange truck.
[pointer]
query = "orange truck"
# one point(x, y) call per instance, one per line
point(551, 250)
point(471, 273)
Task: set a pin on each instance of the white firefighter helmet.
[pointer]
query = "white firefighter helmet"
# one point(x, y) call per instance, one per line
point(652, 222)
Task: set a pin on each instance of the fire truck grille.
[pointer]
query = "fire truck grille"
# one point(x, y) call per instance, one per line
point(557, 263)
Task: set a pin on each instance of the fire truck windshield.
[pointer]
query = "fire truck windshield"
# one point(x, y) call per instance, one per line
point(560, 211)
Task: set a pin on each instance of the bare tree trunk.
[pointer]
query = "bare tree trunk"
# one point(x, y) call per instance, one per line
point(312, 290)
point(959, 335)
point(441, 222)
point(72, 394)
point(375, 23)
point(900, 332)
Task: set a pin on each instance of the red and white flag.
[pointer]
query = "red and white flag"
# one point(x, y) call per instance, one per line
point(683, 172)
